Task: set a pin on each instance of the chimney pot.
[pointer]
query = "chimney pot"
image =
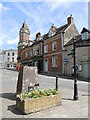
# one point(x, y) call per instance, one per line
point(70, 20)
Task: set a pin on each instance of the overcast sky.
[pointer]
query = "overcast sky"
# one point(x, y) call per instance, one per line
point(39, 16)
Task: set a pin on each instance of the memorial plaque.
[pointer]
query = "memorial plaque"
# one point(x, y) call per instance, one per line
point(27, 79)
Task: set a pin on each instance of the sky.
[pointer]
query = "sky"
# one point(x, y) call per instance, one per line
point(39, 16)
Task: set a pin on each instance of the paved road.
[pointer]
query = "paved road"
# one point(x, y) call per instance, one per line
point(69, 108)
point(9, 81)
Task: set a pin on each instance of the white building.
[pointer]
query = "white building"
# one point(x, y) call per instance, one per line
point(8, 58)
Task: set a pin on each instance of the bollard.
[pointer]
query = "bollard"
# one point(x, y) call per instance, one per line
point(56, 83)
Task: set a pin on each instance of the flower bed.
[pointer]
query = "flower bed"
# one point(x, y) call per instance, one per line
point(38, 100)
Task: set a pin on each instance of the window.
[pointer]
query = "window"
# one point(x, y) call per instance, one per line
point(54, 46)
point(36, 51)
point(8, 65)
point(13, 59)
point(8, 54)
point(85, 36)
point(54, 62)
point(13, 54)
point(8, 59)
point(14, 65)
point(51, 33)
point(45, 48)
point(26, 54)
point(31, 53)
point(21, 36)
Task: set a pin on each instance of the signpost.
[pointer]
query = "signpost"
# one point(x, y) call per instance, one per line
point(75, 74)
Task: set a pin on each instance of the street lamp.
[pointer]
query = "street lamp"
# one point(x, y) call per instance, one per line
point(75, 76)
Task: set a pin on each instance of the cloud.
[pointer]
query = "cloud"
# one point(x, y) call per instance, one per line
point(2, 7)
point(13, 41)
point(26, 11)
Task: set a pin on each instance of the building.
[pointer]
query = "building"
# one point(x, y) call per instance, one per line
point(82, 55)
point(46, 51)
point(8, 58)
point(2, 59)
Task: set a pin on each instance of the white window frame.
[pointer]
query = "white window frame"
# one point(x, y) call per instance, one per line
point(53, 62)
point(26, 54)
point(53, 46)
point(45, 48)
point(13, 59)
point(31, 53)
point(85, 36)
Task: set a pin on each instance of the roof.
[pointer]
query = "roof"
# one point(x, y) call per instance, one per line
point(79, 41)
point(25, 26)
point(58, 31)
point(70, 42)
point(85, 30)
point(45, 36)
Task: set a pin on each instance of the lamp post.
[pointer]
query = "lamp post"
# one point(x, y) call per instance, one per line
point(75, 76)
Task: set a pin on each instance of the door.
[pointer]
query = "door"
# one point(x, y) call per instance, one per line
point(85, 70)
point(46, 65)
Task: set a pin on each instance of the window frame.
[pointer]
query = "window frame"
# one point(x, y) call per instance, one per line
point(12, 59)
point(53, 62)
point(53, 46)
point(46, 50)
point(26, 54)
point(13, 54)
point(8, 53)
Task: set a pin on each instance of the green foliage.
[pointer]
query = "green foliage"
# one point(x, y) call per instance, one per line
point(40, 93)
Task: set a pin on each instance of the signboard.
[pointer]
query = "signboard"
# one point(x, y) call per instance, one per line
point(65, 60)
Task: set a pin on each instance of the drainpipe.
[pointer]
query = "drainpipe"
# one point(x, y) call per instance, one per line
point(62, 40)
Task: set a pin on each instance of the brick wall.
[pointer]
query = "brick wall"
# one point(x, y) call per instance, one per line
point(57, 53)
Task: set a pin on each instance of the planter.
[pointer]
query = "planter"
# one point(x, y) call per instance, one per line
point(31, 105)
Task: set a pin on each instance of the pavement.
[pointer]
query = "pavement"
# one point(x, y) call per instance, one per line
point(68, 109)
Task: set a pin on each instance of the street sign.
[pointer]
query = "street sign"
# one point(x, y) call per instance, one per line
point(65, 60)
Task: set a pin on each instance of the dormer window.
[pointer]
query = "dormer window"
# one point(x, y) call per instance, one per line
point(51, 33)
point(39, 38)
point(85, 36)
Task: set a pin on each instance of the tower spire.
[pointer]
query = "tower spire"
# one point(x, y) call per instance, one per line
point(24, 21)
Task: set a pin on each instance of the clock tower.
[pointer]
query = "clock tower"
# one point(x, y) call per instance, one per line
point(24, 35)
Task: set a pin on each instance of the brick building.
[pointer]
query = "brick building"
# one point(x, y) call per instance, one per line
point(46, 51)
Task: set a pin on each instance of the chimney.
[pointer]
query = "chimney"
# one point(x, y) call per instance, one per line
point(70, 20)
point(38, 35)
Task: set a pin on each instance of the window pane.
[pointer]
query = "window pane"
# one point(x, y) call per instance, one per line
point(54, 62)
point(54, 46)
point(45, 48)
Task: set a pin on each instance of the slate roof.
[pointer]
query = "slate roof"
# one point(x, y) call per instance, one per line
point(70, 42)
point(85, 30)
point(45, 36)
point(24, 26)
point(79, 42)
point(58, 31)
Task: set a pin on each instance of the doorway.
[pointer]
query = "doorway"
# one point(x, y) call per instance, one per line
point(46, 65)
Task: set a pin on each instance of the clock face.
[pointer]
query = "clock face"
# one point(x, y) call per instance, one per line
point(26, 31)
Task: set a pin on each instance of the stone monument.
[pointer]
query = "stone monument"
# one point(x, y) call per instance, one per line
point(27, 79)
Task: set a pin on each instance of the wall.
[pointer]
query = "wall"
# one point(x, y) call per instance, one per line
point(57, 53)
